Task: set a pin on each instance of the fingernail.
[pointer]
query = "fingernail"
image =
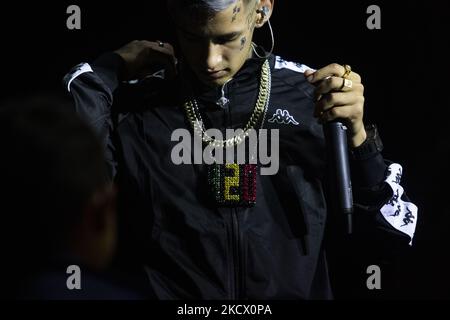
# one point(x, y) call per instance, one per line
point(310, 78)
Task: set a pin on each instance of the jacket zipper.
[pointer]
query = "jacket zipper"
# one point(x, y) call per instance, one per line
point(236, 276)
point(236, 254)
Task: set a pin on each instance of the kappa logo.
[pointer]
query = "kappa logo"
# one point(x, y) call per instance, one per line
point(283, 117)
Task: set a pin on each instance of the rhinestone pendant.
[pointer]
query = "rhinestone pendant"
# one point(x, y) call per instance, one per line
point(223, 102)
point(233, 184)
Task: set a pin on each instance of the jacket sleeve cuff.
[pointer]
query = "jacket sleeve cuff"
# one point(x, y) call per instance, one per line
point(368, 172)
point(109, 67)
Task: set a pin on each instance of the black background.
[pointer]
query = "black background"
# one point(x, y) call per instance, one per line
point(404, 67)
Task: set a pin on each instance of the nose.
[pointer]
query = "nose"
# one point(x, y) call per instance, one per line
point(214, 58)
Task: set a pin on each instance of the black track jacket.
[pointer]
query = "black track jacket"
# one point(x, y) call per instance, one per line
point(190, 248)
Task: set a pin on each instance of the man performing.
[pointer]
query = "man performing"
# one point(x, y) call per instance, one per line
point(232, 229)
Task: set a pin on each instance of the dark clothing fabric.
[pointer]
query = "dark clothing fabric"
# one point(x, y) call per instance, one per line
point(191, 248)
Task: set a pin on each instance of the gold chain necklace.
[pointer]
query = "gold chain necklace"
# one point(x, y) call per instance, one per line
point(195, 118)
point(234, 184)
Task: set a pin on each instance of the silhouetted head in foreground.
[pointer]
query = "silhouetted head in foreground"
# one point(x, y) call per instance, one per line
point(55, 198)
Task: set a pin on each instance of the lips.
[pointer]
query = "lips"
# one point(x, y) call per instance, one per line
point(215, 74)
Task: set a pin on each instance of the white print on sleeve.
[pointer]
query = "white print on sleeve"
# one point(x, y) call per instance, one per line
point(79, 69)
point(294, 66)
point(402, 215)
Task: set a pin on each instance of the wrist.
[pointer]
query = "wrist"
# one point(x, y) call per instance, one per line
point(109, 66)
point(371, 145)
point(358, 139)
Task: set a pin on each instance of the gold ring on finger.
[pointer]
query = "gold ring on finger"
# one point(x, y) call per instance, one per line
point(347, 72)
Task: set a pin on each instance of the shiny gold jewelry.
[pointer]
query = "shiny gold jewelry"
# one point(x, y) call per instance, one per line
point(234, 184)
point(347, 72)
point(194, 116)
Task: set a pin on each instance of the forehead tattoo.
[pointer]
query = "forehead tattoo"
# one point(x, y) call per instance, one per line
point(236, 10)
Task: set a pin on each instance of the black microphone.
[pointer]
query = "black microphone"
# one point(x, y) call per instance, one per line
point(339, 169)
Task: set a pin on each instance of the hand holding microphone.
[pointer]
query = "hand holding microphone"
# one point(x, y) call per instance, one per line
point(339, 107)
